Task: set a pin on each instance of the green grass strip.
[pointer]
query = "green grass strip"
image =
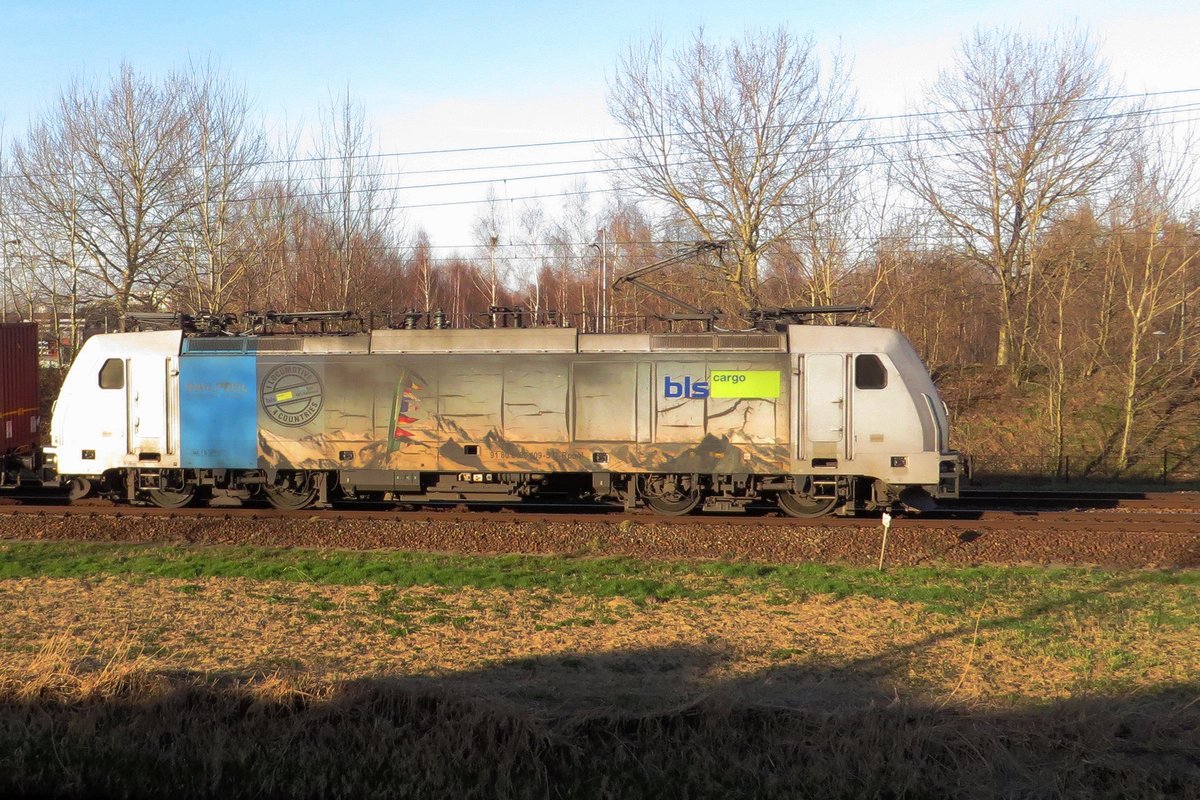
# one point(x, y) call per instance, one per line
point(940, 589)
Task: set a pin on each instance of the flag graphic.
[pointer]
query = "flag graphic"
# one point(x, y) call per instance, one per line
point(405, 402)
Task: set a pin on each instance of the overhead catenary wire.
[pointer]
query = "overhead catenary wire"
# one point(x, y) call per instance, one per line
point(915, 115)
point(1151, 118)
point(874, 143)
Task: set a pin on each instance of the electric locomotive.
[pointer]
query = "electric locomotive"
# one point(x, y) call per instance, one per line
point(814, 418)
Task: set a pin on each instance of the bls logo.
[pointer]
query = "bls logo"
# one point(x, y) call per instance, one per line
point(692, 389)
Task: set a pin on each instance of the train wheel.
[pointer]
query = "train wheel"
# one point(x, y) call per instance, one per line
point(167, 498)
point(670, 497)
point(174, 491)
point(78, 488)
point(805, 506)
point(291, 491)
point(673, 508)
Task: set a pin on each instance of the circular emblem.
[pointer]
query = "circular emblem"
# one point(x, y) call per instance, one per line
point(291, 394)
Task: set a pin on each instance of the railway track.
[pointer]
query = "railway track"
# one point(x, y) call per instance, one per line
point(1094, 511)
point(1091, 512)
point(1031, 499)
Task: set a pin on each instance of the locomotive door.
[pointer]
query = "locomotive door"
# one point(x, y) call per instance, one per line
point(148, 390)
point(825, 403)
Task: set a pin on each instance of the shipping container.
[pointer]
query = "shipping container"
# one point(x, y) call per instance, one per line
point(18, 386)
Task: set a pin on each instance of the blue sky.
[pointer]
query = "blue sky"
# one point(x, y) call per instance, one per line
point(463, 74)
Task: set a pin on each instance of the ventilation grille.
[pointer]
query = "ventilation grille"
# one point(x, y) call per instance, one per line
point(229, 345)
point(750, 341)
point(280, 344)
point(682, 341)
point(757, 342)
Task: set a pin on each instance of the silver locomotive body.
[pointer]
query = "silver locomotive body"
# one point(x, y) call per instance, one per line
point(815, 418)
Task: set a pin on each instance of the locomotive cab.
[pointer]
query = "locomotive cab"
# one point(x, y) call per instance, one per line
point(866, 407)
point(118, 408)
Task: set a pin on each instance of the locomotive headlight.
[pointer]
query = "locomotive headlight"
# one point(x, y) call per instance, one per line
point(899, 462)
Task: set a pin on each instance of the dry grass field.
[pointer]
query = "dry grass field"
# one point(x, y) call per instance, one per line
point(197, 672)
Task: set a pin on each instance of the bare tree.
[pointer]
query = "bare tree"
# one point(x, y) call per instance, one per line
point(6, 225)
point(531, 226)
point(353, 201)
point(575, 229)
point(1152, 253)
point(230, 152)
point(11, 227)
point(43, 256)
point(1022, 129)
point(271, 226)
point(489, 234)
point(1067, 258)
point(629, 245)
point(747, 142)
point(422, 268)
point(127, 153)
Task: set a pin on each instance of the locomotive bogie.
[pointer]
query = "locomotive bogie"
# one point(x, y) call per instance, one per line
point(814, 420)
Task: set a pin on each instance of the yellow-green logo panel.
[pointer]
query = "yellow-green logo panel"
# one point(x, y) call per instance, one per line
point(744, 383)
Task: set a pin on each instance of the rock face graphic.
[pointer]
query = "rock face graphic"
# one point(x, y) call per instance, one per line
point(526, 413)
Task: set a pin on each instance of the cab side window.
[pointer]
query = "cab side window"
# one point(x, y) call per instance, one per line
point(869, 372)
point(112, 374)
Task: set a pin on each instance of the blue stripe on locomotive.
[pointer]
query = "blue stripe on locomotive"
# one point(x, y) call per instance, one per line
point(218, 416)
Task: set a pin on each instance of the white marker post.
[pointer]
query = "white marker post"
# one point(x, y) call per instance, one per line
point(886, 519)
